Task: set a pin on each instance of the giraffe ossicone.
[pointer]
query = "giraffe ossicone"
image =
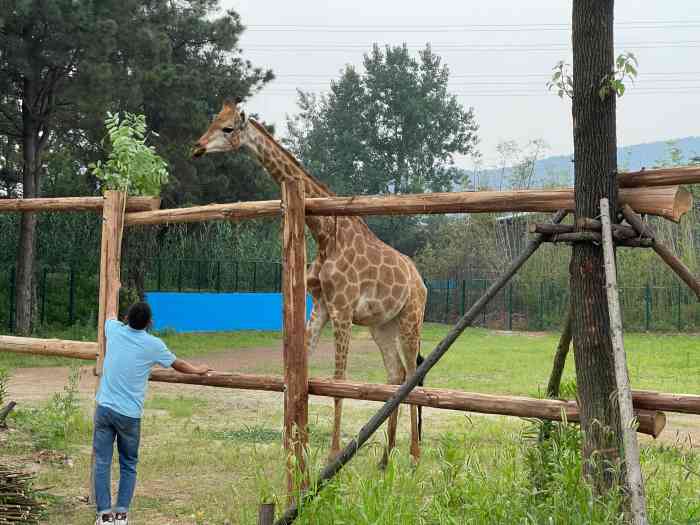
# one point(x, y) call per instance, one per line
point(355, 279)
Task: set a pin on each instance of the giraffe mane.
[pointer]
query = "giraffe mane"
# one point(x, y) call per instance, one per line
point(322, 188)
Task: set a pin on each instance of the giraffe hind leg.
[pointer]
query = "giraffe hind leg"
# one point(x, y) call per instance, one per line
point(410, 323)
point(387, 338)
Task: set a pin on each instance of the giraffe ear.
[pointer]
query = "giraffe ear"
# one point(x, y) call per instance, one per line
point(237, 100)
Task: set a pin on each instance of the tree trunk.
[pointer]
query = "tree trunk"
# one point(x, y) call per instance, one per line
point(595, 170)
point(27, 229)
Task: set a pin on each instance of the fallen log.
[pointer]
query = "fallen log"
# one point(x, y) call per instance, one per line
point(74, 204)
point(670, 202)
point(651, 421)
point(48, 347)
point(659, 177)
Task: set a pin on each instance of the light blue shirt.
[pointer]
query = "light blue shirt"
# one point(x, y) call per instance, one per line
point(131, 354)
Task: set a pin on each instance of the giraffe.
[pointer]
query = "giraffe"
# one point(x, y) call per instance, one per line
point(355, 278)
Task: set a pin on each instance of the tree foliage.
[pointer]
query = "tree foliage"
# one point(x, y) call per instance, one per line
point(64, 63)
point(393, 129)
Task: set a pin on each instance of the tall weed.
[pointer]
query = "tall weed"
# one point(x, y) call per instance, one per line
point(57, 425)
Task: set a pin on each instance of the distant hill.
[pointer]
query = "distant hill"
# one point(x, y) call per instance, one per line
point(559, 170)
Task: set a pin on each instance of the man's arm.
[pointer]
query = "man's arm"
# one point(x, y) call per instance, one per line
point(188, 368)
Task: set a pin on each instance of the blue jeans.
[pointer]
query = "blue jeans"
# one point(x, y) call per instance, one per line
point(127, 431)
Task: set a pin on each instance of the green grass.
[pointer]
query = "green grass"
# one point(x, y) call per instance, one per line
point(212, 454)
point(176, 407)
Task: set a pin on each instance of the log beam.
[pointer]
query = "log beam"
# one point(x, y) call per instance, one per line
point(48, 347)
point(210, 212)
point(620, 232)
point(74, 204)
point(583, 236)
point(670, 202)
point(660, 177)
point(651, 420)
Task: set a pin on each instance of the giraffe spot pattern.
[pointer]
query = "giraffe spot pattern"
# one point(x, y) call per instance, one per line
point(374, 256)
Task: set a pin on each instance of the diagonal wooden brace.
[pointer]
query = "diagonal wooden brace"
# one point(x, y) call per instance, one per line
point(644, 230)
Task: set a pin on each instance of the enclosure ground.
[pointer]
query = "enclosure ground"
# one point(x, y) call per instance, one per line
point(211, 454)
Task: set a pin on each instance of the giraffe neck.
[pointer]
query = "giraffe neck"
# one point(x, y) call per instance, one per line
point(282, 165)
point(278, 162)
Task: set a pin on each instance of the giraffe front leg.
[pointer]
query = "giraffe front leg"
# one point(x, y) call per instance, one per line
point(342, 328)
point(386, 337)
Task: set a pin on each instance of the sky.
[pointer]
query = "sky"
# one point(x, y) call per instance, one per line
point(500, 54)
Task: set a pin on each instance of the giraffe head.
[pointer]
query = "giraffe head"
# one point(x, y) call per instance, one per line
point(225, 131)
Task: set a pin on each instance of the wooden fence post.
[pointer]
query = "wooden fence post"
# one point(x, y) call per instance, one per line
point(110, 261)
point(296, 374)
point(634, 480)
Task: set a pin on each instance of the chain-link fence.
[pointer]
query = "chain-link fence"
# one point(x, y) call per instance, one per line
point(66, 296)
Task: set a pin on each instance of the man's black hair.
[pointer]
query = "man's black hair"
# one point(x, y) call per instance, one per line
point(139, 316)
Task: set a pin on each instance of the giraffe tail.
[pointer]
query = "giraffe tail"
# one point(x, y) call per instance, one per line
point(419, 360)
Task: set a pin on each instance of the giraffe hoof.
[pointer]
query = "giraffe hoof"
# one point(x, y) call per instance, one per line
point(384, 462)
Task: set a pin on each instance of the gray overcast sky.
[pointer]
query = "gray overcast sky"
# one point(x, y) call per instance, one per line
point(499, 64)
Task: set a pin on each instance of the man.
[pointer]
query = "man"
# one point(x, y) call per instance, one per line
point(131, 354)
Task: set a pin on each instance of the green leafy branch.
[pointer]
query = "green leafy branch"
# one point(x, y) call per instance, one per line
point(562, 80)
point(132, 166)
point(625, 69)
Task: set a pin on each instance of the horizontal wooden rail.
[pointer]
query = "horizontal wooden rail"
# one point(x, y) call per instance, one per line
point(457, 202)
point(222, 212)
point(660, 177)
point(651, 420)
point(49, 347)
point(74, 204)
point(670, 202)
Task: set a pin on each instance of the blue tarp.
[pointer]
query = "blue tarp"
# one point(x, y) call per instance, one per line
point(217, 312)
